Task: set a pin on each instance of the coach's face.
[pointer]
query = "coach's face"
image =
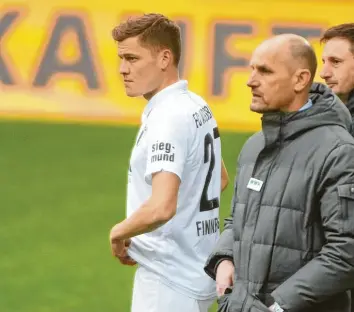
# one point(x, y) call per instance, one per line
point(140, 68)
point(338, 66)
point(270, 80)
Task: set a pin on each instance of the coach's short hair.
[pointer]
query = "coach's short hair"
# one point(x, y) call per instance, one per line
point(344, 31)
point(304, 53)
point(154, 31)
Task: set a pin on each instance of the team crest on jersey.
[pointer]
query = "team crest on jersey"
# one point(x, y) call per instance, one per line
point(141, 134)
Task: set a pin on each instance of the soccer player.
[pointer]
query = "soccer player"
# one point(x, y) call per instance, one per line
point(175, 176)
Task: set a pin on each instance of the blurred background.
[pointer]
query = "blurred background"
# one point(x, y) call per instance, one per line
point(66, 130)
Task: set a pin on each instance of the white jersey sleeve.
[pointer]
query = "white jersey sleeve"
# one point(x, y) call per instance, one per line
point(167, 142)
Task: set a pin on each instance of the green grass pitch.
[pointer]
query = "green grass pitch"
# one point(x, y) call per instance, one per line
point(62, 188)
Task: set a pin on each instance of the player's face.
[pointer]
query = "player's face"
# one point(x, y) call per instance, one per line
point(338, 66)
point(270, 81)
point(139, 68)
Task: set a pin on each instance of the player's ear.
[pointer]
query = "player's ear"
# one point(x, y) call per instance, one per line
point(166, 58)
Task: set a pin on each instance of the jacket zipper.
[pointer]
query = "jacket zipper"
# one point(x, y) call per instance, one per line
point(261, 197)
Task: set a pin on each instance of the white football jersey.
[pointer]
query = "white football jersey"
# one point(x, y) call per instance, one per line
point(178, 134)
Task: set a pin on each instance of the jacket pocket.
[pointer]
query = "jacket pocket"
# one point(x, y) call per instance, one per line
point(257, 305)
point(223, 303)
point(346, 202)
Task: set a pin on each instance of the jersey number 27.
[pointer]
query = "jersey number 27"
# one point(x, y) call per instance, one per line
point(209, 156)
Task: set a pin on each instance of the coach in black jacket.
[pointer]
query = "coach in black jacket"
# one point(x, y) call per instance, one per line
point(289, 245)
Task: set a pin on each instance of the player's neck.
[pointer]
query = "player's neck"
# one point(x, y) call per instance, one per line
point(169, 79)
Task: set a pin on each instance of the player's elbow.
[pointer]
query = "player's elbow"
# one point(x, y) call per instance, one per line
point(224, 182)
point(224, 177)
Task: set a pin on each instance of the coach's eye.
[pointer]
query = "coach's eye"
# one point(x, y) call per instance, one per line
point(265, 70)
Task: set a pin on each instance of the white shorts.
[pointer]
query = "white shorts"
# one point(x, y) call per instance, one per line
point(151, 295)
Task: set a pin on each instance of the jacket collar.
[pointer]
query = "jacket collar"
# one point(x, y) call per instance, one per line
point(327, 110)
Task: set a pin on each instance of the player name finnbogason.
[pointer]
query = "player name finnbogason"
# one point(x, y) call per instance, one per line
point(206, 227)
point(202, 116)
point(162, 152)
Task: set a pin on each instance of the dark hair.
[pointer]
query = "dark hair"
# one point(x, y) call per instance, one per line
point(155, 31)
point(344, 31)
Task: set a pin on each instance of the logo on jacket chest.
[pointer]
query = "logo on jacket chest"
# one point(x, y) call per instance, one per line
point(254, 184)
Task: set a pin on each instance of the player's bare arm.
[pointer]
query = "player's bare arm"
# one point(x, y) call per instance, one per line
point(156, 211)
point(224, 176)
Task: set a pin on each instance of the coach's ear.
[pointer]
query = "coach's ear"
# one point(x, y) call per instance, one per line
point(165, 186)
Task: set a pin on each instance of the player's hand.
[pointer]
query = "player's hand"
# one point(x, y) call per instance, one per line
point(119, 248)
point(224, 276)
point(120, 251)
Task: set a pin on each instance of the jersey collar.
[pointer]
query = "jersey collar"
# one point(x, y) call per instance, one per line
point(179, 85)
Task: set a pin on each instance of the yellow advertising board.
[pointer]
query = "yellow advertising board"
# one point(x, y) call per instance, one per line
point(58, 60)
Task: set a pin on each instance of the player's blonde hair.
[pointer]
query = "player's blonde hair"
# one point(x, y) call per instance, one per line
point(155, 31)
